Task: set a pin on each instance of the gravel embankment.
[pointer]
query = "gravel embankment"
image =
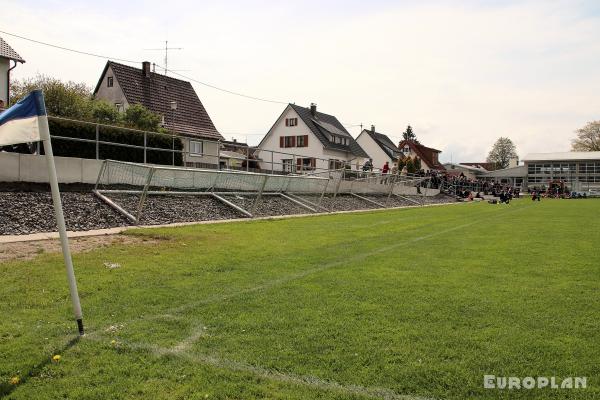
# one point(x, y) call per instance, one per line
point(165, 209)
point(268, 206)
point(31, 212)
point(24, 212)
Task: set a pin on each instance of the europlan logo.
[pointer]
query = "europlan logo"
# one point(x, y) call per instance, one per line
point(529, 382)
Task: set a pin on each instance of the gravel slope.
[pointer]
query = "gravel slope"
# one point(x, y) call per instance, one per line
point(24, 212)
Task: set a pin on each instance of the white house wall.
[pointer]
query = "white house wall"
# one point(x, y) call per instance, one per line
point(113, 94)
point(4, 66)
point(373, 150)
point(210, 150)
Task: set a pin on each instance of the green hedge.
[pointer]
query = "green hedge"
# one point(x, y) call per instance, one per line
point(68, 148)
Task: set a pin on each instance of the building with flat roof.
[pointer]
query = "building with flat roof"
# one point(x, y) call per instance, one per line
point(579, 170)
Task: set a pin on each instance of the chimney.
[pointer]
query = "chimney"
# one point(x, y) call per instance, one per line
point(313, 109)
point(372, 128)
point(146, 69)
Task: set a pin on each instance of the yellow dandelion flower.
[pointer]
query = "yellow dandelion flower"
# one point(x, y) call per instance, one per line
point(15, 380)
point(56, 358)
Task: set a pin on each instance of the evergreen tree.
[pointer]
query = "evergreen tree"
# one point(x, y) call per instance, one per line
point(408, 134)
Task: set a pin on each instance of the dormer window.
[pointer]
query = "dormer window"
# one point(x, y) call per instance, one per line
point(109, 81)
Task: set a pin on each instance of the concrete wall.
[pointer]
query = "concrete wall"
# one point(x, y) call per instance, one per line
point(15, 167)
point(4, 66)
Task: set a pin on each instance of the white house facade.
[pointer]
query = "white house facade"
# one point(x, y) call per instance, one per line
point(7, 54)
point(303, 139)
point(379, 147)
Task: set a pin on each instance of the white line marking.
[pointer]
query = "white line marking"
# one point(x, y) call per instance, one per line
point(289, 378)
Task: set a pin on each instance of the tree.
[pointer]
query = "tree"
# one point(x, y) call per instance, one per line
point(417, 163)
point(410, 165)
point(74, 100)
point(138, 116)
point(105, 112)
point(63, 99)
point(502, 152)
point(408, 134)
point(588, 137)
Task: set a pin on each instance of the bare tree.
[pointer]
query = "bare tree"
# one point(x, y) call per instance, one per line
point(588, 137)
point(502, 152)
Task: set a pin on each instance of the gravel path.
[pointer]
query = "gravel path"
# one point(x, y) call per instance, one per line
point(31, 212)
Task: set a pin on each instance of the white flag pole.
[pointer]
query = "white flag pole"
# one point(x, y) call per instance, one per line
point(60, 221)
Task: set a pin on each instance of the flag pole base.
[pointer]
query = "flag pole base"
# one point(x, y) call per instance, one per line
point(80, 326)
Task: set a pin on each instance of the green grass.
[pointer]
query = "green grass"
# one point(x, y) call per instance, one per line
point(416, 302)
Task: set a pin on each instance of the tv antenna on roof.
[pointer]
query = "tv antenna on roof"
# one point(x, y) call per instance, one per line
point(166, 50)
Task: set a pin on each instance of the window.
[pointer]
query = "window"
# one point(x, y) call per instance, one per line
point(109, 81)
point(335, 164)
point(305, 164)
point(291, 121)
point(119, 107)
point(196, 148)
point(287, 164)
point(287, 141)
point(302, 141)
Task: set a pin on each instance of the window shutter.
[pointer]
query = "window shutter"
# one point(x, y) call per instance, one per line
point(298, 164)
point(293, 141)
point(287, 122)
point(313, 162)
point(305, 140)
point(281, 141)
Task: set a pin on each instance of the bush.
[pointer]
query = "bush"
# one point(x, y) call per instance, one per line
point(68, 148)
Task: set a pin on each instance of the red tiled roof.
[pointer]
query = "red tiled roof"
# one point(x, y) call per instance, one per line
point(8, 52)
point(424, 153)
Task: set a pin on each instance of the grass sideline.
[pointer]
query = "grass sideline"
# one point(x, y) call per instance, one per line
point(415, 303)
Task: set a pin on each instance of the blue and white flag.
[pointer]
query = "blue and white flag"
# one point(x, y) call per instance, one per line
point(26, 121)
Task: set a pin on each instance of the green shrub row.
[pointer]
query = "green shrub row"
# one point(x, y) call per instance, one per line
point(70, 148)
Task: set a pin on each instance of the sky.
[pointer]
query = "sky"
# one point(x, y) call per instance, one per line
point(461, 73)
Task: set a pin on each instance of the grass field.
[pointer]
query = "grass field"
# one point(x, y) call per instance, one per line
point(397, 304)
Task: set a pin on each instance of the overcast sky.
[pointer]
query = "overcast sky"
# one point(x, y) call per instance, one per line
point(461, 73)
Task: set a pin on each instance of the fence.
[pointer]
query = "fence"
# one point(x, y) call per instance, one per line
point(118, 177)
point(101, 141)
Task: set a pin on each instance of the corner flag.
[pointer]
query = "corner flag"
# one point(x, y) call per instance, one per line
point(26, 122)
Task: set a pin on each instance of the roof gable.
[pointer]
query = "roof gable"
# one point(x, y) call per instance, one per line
point(8, 52)
point(384, 142)
point(323, 126)
point(424, 153)
point(156, 92)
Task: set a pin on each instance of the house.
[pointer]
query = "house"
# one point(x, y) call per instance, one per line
point(304, 139)
point(469, 171)
point(429, 157)
point(173, 99)
point(7, 54)
point(488, 166)
point(379, 147)
point(233, 155)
